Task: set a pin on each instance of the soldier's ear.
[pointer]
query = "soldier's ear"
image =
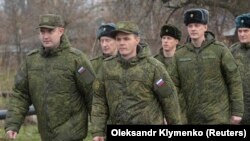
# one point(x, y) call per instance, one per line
point(138, 39)
point(61, 30)
point(206, 27)
point(177, 41)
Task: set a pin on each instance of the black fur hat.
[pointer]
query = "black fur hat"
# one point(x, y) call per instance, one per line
point(170, 30)
point(196, 15)
point(105, 30)
point(243, 20)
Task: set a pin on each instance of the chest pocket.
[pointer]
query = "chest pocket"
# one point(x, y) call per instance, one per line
point(210, 59)
point(185, 59)
point(185, 63)
point(61, 71)
point(36, 68)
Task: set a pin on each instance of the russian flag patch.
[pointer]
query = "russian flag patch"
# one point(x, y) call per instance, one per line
point(81, 70)
point(160, 82)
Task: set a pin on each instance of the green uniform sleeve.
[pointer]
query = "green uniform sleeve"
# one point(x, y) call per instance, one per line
point(100, 112)
point(234, 82)
point(85, 76)
point(175, 77)
point(19, 103)
point(174, 74)
point(167, 95)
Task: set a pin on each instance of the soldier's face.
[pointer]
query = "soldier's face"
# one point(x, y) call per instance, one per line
point(168, 43)
point(126, 44)
point(196, 30)
point(244, 35)
point(50, 38)
point(108, 45)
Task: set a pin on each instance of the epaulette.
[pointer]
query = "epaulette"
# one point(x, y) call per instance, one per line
point(179, 47)
point(219, 43)
point(235, 45)
point(32, 52)
point(95, 58)
point(153, 61)
point(156, 55)
point(110, 58)
point(75, 51)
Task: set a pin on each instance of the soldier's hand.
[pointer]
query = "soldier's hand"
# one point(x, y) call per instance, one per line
point(235, 120)
point(11, 134)
point(98, 138)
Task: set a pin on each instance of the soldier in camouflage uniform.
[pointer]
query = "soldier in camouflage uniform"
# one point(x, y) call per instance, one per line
point(57, 80)
point(170, 38)
point(137, 90)
point(207, 75)
point(241, 53)
point(107, 43)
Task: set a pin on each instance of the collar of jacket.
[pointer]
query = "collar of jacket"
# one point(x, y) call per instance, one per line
point(143, 51)
point(104, 56)
point(64, 44)
point(209, 39)
point(161, 51)
point(246, 46)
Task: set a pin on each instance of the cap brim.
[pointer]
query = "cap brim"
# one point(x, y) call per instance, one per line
point(114, 33)
point(45, 26)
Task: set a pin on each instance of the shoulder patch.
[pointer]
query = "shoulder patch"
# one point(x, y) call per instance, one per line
point(32, 52)
point(75, 51)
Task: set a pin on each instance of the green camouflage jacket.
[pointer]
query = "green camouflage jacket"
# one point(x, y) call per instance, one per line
point(241, 53)
point(210, 82)
point(167, 61)
point(97, 62)
point(135, 91)
point(59, 85)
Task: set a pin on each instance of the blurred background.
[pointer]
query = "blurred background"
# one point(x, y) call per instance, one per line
point(19, 19)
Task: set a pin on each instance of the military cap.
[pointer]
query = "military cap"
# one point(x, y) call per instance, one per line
point(170, 30)
point(50, 21)
point(105, 30)
point(243, 20)
point(197, 15)
point(126, 27)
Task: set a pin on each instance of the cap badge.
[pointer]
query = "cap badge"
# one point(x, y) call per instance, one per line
point(242, 21)
point(166, 30)
point(191, 15)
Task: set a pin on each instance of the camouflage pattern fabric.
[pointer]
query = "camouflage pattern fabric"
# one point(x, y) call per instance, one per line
point(59, 85)
point(241, 53)
point(135, 91)
point(168, 62)
point(210, 82)
point(97, 62)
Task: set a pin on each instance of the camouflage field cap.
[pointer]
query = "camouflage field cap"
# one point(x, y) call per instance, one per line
point(170, 30)
point(196, 15)
point(126, 27)
point(243, 20)
point(50, 21)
